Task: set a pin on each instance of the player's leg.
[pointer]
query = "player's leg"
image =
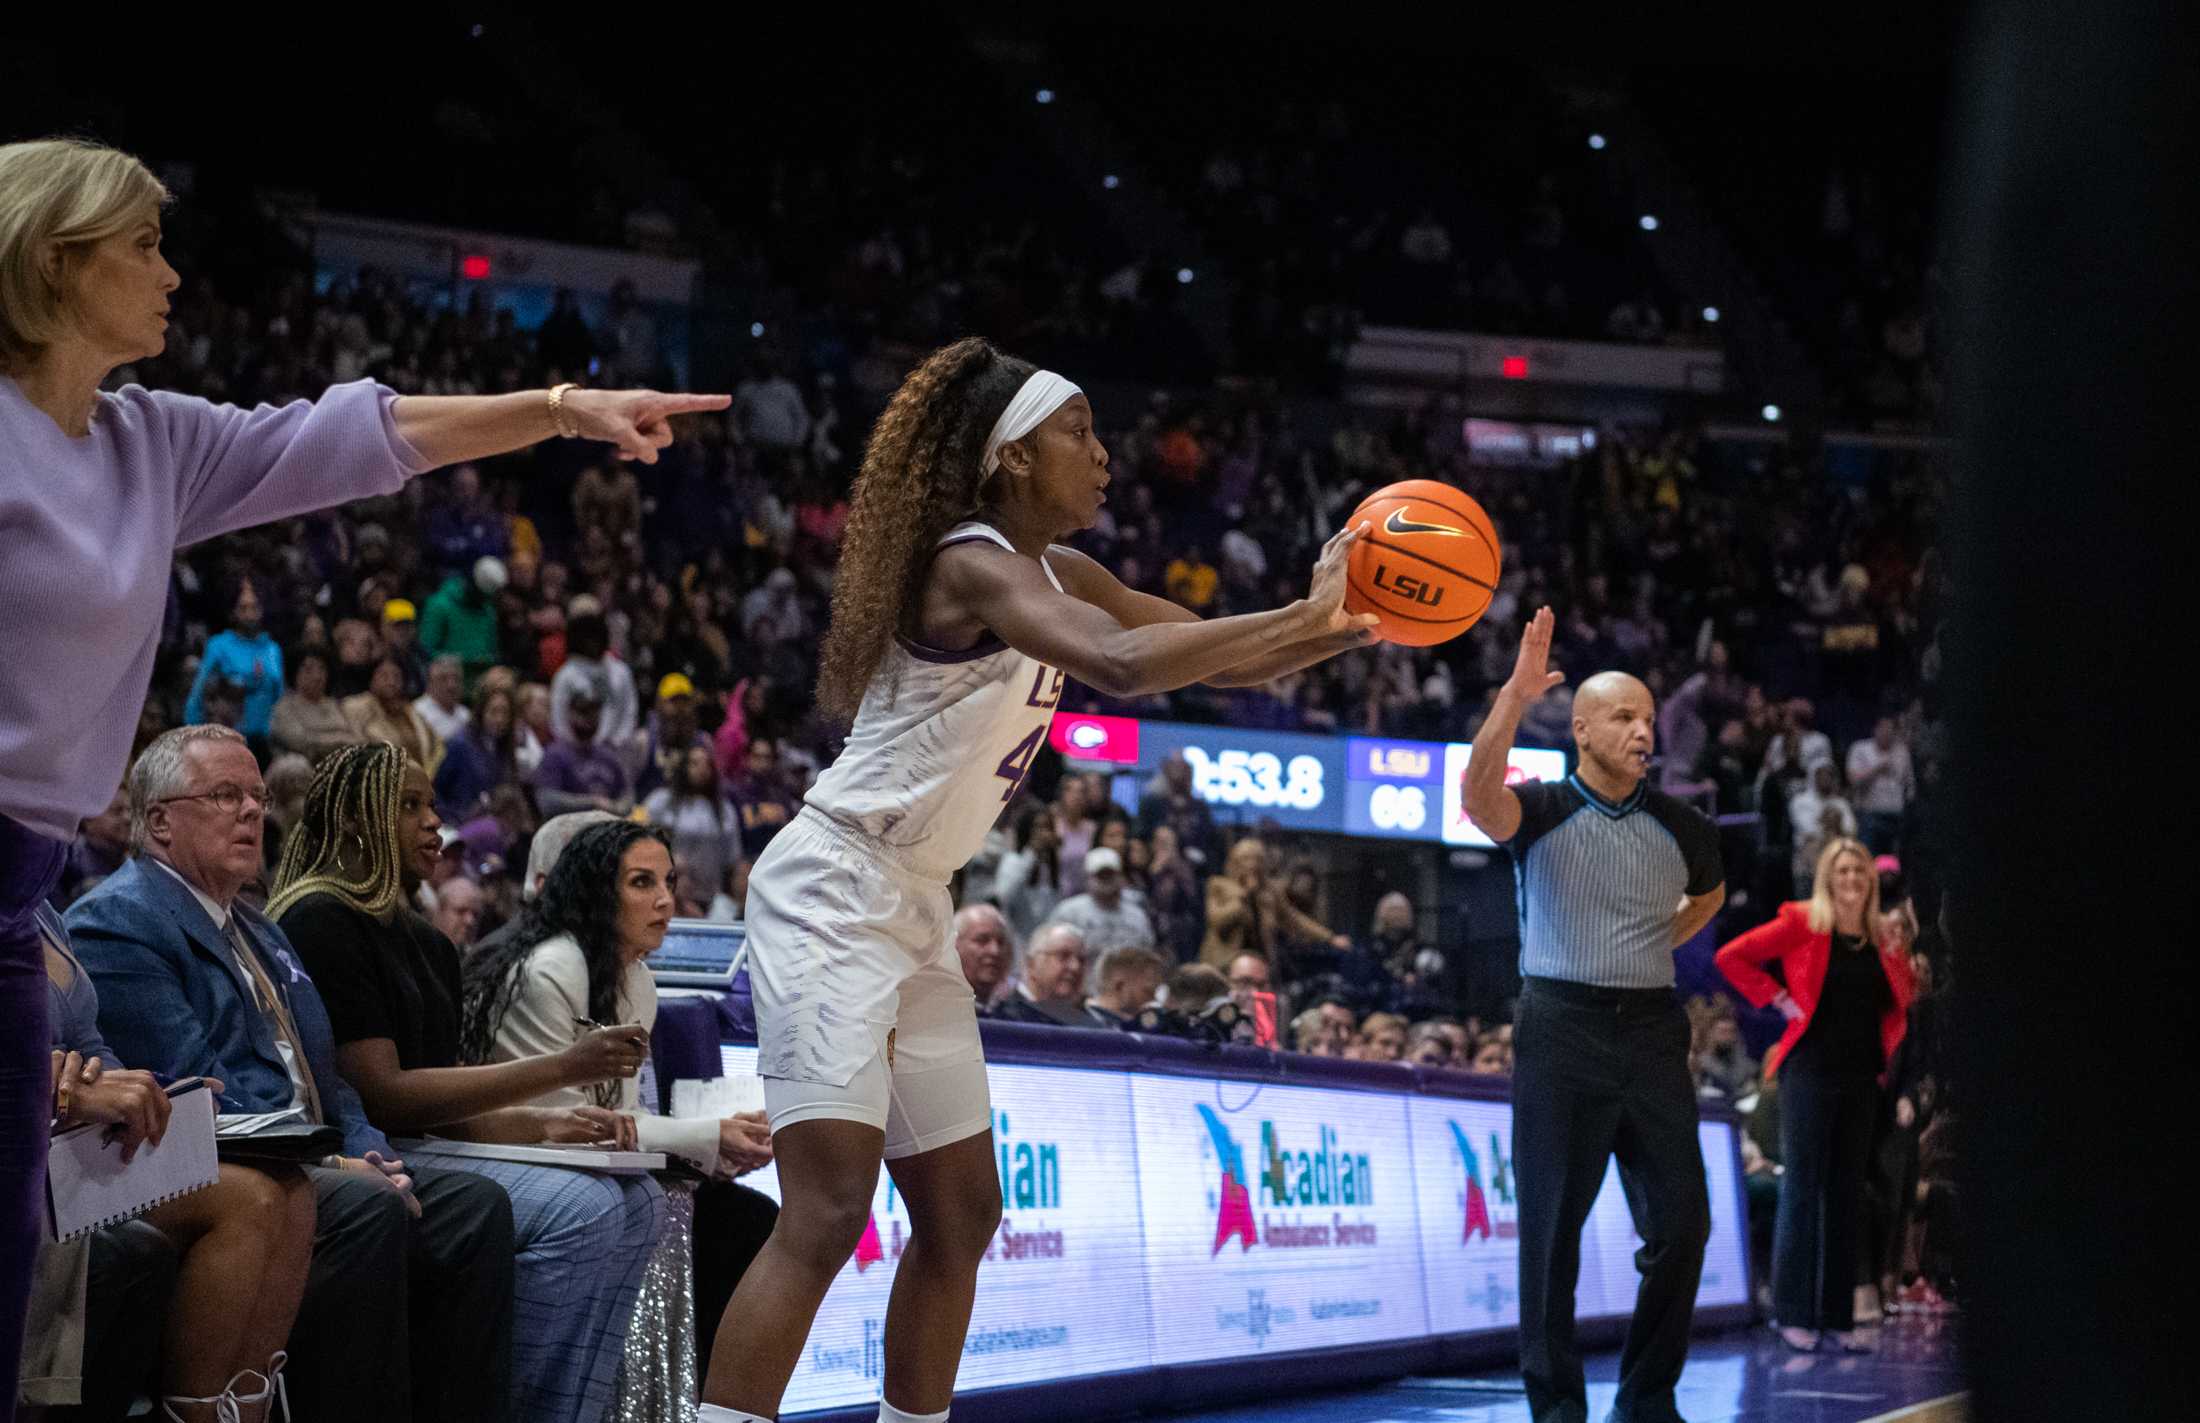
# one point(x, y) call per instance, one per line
point(954, 1195)
point(825, 967)
point(828, 1169)
point(939, 1147)
point(1661, 1164)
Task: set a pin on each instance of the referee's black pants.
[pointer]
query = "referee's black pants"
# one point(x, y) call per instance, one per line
point(1598, 1072)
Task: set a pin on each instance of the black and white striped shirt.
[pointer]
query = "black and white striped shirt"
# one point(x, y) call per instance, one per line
point(1599, 882)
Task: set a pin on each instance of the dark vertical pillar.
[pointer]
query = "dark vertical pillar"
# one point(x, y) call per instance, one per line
point(2071, 225)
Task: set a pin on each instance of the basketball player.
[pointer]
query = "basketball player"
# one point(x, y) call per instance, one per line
point(1613, 876)
point(956, 619)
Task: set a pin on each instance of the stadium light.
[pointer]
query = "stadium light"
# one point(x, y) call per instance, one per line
point(1044, 96)
point(1648, 221)
point(756, 328)
point(1771, 412)
point(1184, 276)
point(1711, 313)
point(1596, 141)
point(1111, 182)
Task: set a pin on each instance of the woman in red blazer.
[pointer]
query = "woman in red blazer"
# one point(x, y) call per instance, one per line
point(1846, 1003)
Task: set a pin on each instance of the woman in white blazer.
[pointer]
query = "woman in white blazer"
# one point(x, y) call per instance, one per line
point(578, 961)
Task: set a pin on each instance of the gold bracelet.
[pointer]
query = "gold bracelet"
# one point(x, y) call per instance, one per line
point(558, 415)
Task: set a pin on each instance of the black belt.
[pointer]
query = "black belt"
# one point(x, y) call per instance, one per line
point(1593, 995)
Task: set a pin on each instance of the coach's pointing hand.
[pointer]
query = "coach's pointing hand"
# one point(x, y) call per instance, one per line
point(637, 421)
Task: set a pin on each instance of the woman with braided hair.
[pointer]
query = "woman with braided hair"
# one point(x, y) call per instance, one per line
point(956, 617)
point(343, 893)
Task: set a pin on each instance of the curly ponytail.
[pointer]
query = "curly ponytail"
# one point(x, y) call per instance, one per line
point(920, 475)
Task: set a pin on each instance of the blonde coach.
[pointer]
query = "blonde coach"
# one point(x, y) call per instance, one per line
point(97, 492)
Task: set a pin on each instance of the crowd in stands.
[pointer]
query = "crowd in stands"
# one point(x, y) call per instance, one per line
point(546, 633)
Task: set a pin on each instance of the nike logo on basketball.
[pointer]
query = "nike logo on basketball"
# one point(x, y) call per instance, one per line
point(1398, 523)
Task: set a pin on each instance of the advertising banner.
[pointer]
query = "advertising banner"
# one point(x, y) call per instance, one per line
point(1469, 1198)
point(1526, 763)
point(1152, 1219)
point(1277, 1218)
point(1069, 1240)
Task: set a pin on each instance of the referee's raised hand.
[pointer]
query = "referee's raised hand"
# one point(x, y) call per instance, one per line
point(1531, 675)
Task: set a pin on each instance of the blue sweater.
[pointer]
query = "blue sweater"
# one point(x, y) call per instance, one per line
point(253, 663)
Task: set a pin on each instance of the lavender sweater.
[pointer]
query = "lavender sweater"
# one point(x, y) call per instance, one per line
point(89, 529)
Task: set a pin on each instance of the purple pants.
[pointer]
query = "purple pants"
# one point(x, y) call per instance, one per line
point(29, 865)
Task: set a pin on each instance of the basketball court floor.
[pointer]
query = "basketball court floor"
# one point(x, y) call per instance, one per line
point(1743, 1377)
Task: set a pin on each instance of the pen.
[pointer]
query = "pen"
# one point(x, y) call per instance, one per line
point(591, 1025)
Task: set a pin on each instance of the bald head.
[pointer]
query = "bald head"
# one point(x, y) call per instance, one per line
point(1608, 687)
point(1615, 729)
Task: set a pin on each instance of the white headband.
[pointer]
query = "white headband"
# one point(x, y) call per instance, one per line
point(1041, 395)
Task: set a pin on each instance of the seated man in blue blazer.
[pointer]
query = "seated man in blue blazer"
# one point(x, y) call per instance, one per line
point(408, 1309)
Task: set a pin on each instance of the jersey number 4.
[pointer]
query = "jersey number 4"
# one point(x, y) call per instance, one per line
point(1017, 763)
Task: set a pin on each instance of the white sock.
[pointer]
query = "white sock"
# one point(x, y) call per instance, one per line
point(712, 1413)
point(887, 1413)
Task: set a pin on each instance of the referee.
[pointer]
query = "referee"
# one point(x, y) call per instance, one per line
point(1613, 876)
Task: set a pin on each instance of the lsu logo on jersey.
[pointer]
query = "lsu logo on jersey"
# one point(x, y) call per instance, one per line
point(1046, 688)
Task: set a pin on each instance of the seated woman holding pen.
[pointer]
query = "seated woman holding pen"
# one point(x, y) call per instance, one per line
point(246, 1241)
point(579, 956)
point(343, 893)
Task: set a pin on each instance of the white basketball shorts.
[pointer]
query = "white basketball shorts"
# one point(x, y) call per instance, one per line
point(862, 1010)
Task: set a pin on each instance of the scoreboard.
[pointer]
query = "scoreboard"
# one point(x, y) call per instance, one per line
point(1337, 785)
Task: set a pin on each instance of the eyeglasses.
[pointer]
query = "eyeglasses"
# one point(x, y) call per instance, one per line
point(229, 800)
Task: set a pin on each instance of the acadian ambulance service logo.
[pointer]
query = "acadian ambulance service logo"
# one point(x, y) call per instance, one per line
point(1292, 1177)
point(1476, 1196)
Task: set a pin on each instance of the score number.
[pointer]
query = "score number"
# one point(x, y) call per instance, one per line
point(1395, 807)
point(1255, 778)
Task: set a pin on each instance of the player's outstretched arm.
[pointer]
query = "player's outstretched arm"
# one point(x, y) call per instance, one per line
point(1086, 579)
point(1011, 595)
point(1490, 803)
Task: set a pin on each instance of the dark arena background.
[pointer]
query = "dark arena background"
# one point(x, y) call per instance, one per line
point(1831, 384)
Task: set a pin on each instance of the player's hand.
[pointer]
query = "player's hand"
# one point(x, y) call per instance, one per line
point(637, 421)
point(1325, 598)
point(1532, 675)
point(1905, 1113)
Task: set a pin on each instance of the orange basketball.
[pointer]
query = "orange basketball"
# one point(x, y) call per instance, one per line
point(1428, 564)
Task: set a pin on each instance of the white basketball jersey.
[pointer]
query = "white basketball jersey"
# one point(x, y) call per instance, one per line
point(942, 741)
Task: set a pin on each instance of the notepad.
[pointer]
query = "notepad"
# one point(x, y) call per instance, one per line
point(88, 1185)
point(579, 1157)
point(718, 1096)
